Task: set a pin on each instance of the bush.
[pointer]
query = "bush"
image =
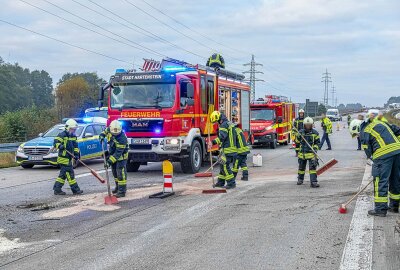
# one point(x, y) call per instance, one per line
point(26, 123)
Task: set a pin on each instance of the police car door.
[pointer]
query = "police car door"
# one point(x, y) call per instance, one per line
point(89, 146)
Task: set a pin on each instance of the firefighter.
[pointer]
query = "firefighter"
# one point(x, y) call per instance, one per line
point(117, 155)
point(216, 61)
point(298, 124)
point(380, 117)
point(348, 120)
point(67, 146)
point(227, 141)
point(309, 134)
point(242, 151)
point(354, 129)
point(380, 144)
point(326, 125)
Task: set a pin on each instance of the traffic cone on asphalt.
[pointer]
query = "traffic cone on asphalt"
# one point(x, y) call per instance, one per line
point(168, 189)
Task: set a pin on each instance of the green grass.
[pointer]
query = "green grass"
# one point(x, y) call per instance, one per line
point(7, 160)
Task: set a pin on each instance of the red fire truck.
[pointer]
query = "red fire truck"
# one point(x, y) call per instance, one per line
point(271, 120)
point(165, 111)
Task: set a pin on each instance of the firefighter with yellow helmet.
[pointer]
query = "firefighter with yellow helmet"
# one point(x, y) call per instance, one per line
point(117, 155)
point(67, 146)
point(298, 125)
point(227, 141)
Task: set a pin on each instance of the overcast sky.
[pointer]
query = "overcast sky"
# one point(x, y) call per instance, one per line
point(296, 40)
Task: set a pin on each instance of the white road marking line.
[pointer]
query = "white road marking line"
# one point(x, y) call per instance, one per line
point(357, 253)
point(89, 174)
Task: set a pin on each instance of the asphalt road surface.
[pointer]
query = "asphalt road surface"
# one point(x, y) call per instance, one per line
point(266, 223)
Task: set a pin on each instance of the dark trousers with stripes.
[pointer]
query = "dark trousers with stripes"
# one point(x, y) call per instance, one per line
point(386, 173)
point(241, 162)
point(119, 172)
point(312, 166)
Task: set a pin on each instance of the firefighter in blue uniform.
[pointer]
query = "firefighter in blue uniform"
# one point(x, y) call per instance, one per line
point(242, 151)
point(381, 144)
point(298, 124)
point(117, 155)
point(227, 141)
point(65, 142)
point(306, 153)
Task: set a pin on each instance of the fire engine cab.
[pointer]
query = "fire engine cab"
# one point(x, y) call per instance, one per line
point(165, 110)
point(271, 120)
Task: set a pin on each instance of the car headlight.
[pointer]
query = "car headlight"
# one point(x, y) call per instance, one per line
point(268, 128)
point(20, 148)
point(172, 141)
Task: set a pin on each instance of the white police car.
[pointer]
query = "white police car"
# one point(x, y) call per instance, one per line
point(39, 151)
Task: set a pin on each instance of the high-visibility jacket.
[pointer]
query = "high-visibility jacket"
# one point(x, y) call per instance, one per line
point(326, 125)
point(312, 137)
point(118, 145)
point(298, 124)
point(242, 146)
point(379, 140)
point(227, 137)
point(70, 144)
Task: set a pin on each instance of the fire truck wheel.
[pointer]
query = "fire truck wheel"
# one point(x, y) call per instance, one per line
point(193, 163)
point(132, 166)
point(274, 143)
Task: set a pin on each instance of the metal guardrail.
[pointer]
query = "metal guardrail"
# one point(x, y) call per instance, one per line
point(9, 147)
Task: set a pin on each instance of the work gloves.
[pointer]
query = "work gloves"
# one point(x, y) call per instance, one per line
point(76, 157)
point(109, 162)
point(61, 147)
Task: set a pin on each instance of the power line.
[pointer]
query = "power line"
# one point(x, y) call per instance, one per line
point(253, 78)
point(333, 91)
point(91, 30)
point(191, 29)
point(326, 79)
point(64, 42)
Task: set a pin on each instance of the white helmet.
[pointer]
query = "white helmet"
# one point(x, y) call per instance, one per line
point(308, 121)
point(354, 127)
point(115, 127)
point(71, 124)
point(301, 111)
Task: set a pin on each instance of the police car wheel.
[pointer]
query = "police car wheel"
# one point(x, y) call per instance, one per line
point(132, 166)
point(193, 163)
point(27, 166)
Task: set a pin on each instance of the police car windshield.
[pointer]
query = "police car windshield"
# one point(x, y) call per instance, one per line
point(101, 113)
point(54, 131)
point(263, 114)
point(154, 95)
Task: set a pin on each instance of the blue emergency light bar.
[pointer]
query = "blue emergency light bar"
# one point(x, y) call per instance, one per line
point(174, 68)
point(120, 70)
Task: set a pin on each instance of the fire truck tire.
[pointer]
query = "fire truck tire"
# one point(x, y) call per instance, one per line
point(132, 166)
point(27, 166)
point(274, 143)
point(193, 163)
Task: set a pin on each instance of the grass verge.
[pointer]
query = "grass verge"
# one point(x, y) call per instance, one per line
point(7, 160)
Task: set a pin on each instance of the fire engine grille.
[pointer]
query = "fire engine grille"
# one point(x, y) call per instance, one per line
point(36, 151)
point(143, 125)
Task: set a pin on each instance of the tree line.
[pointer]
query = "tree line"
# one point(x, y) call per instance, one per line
point(30, 103)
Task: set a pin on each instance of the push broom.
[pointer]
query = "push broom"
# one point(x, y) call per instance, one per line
point(326, 165)
point(109, 199)
point(343, 207)
point(93, 172)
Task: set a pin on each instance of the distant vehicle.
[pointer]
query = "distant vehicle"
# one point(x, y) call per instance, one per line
point(271, 120)
point(40, 151)
point(96, 115)
point(333, 115)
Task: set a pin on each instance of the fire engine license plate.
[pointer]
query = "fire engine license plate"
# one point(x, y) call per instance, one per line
point(140, 141)
point(35, 158)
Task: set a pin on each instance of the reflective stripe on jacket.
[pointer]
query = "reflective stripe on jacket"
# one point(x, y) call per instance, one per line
point(118, 145)
point(227, 137)
point(70, 144)
point(312, 137)
point(242, 146)
point(379, 140)
point(298, 124)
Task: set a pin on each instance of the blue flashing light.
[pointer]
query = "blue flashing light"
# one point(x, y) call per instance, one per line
point(174, 68)
point(120, 70)
point(87, 119)
point(157, 131)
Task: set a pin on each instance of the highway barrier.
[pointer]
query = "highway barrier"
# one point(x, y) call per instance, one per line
point(9, 147)
point(168, 171)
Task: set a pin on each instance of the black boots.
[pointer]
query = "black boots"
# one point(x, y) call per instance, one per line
point(220, 183)
point(57, 189)
point(245, 178)
point(299, 182)
point(115, 190)
point(76, 190)
point(121, 191)
point(377, 213)
point(314, 185)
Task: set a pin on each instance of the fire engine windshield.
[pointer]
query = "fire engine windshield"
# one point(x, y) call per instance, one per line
point(154, 95)
point(263, 114)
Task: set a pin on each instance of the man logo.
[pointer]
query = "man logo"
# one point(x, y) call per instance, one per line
point(140, 124)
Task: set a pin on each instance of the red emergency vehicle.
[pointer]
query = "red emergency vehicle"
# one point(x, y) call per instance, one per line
point(165, 111)
point(271, 120)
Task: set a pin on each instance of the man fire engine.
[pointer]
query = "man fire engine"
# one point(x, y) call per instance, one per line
point(271, 120)
point(165, 110)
